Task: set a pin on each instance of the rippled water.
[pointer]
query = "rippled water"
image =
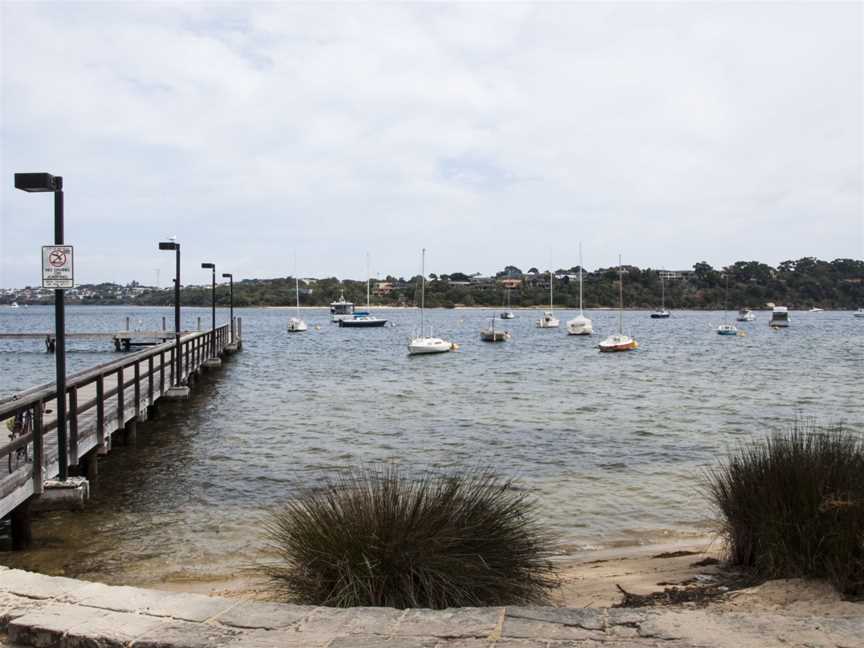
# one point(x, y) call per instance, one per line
point(613, 446)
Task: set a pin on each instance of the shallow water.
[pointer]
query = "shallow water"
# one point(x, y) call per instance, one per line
point(613, 446)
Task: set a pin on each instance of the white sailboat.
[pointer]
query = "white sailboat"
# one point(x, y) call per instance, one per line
point(728, 328)
point(619, 341)
point(296, 324)
point(662, 313)
point(492, 335)
point(508, 314)
point(580, 325)
point(426, 344)
point(549, 320)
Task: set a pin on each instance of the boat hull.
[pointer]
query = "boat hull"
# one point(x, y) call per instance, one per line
point(660, 315)
point(426, 346)
point(546, 324)
point(494, 336)
point(580, 326)
point(618, 343)
point(355, 323)
point(297, 326)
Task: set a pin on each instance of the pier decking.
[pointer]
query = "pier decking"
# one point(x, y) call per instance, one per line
point(107, 399)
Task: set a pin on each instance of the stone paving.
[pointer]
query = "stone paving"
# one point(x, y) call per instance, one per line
point(49, 612)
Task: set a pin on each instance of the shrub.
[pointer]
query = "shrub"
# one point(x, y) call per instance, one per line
point(793, 505)
point(376, 537)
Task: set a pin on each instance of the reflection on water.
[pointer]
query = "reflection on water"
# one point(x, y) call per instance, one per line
point(612, 446)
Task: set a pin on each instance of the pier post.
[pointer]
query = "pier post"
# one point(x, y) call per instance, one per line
point(130, 433)
point(127, 322)
point(163, 322)
point(91, 466)
point(22, 529)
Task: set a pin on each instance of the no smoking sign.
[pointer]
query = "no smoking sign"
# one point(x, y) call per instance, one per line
point(57, 267)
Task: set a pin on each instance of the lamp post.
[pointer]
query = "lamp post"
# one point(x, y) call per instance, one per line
point(212, 267)
point(38, 183)
point(178, 361)
point(230, 278)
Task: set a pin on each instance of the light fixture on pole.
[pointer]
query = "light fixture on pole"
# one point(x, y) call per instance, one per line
point(212, 266)
point(178, 366)
point(47, 183)
point(230, 278)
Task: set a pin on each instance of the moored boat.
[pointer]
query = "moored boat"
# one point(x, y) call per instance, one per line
point(727, 329)
point(580, 325)
point(426, 344)
point(662, 313)
point(492, 335)
point(508, 314)
point(549, 320)
point(619, 341)
point(745, 315)
point(296, 323)
point(779, 317)
point(858, 313)
point(341, 309)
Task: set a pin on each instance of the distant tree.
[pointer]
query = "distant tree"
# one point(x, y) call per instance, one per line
point(459, 276)
point(533, 271)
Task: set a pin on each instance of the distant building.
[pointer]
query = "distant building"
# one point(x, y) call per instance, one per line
point(510, 282)
point(675, 274)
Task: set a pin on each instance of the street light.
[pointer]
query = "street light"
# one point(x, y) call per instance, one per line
point(39, 183)
point(230, 278)
point(178, 366)
point(212, 266)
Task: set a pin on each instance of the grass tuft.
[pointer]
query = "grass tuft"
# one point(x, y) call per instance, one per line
point(793, 505)
point(377, 537)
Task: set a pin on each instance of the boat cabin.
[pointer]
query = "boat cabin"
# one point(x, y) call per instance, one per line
point(341, 309)
point(779, 316)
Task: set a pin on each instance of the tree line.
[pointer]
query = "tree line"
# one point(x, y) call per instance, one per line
point(802, 283)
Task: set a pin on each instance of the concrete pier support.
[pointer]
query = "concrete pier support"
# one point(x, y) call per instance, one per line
point(91, 467)
point(180, 392)
point(212, 363)
point(22, 530)
point(68, 495)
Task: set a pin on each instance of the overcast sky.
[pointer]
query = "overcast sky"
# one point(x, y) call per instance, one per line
point(490, 134)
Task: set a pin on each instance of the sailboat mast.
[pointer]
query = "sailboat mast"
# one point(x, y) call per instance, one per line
point(368, 280)
point(580, 279)
point(422, 289)
point(297, 286)
point(620, 297)
point(662, 293)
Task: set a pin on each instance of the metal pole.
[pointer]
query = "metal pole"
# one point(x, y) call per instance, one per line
point(231, 303)
point(177, 354)
point(60, 338)
point(213, 315)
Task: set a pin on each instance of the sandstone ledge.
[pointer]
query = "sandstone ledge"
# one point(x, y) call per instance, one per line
point(48, 611)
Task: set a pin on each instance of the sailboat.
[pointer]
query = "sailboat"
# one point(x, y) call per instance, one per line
point(619, 341)
point(362, 319)
point(296, 324)
point(508, 314)
point(662, 313)
point(580, 325)
point(426, 344)
point(745, 315)
point(728, 328)
point(549, 320)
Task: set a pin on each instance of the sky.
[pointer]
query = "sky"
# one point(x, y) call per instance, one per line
point(491, 134)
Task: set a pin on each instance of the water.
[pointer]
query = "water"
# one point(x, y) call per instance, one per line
point(612, 446)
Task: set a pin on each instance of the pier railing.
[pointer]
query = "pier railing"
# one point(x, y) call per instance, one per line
point(99, 401)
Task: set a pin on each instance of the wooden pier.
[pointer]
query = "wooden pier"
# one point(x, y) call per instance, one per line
point(102, 402)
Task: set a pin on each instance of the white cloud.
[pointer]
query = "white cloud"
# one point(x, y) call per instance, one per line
point(491, 134)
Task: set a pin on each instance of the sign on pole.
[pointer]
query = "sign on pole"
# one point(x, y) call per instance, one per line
point(57, 269)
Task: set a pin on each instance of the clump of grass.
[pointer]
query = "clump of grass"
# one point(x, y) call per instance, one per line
point(378, 537)
point(793, 505)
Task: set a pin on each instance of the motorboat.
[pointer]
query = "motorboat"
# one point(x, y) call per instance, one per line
point(619, 341)
point(492, 335)
point(745, 315)
point(858, 313)
point(662, 313)
point(426, 344)
point(296, 324)
point(816, 309)
point(580, 325)
point(341, 309)
point(13, 305)
point(549, 320)
point(779, 317)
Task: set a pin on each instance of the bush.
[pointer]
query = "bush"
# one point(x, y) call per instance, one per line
point(375, 537)
point(793, 505)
